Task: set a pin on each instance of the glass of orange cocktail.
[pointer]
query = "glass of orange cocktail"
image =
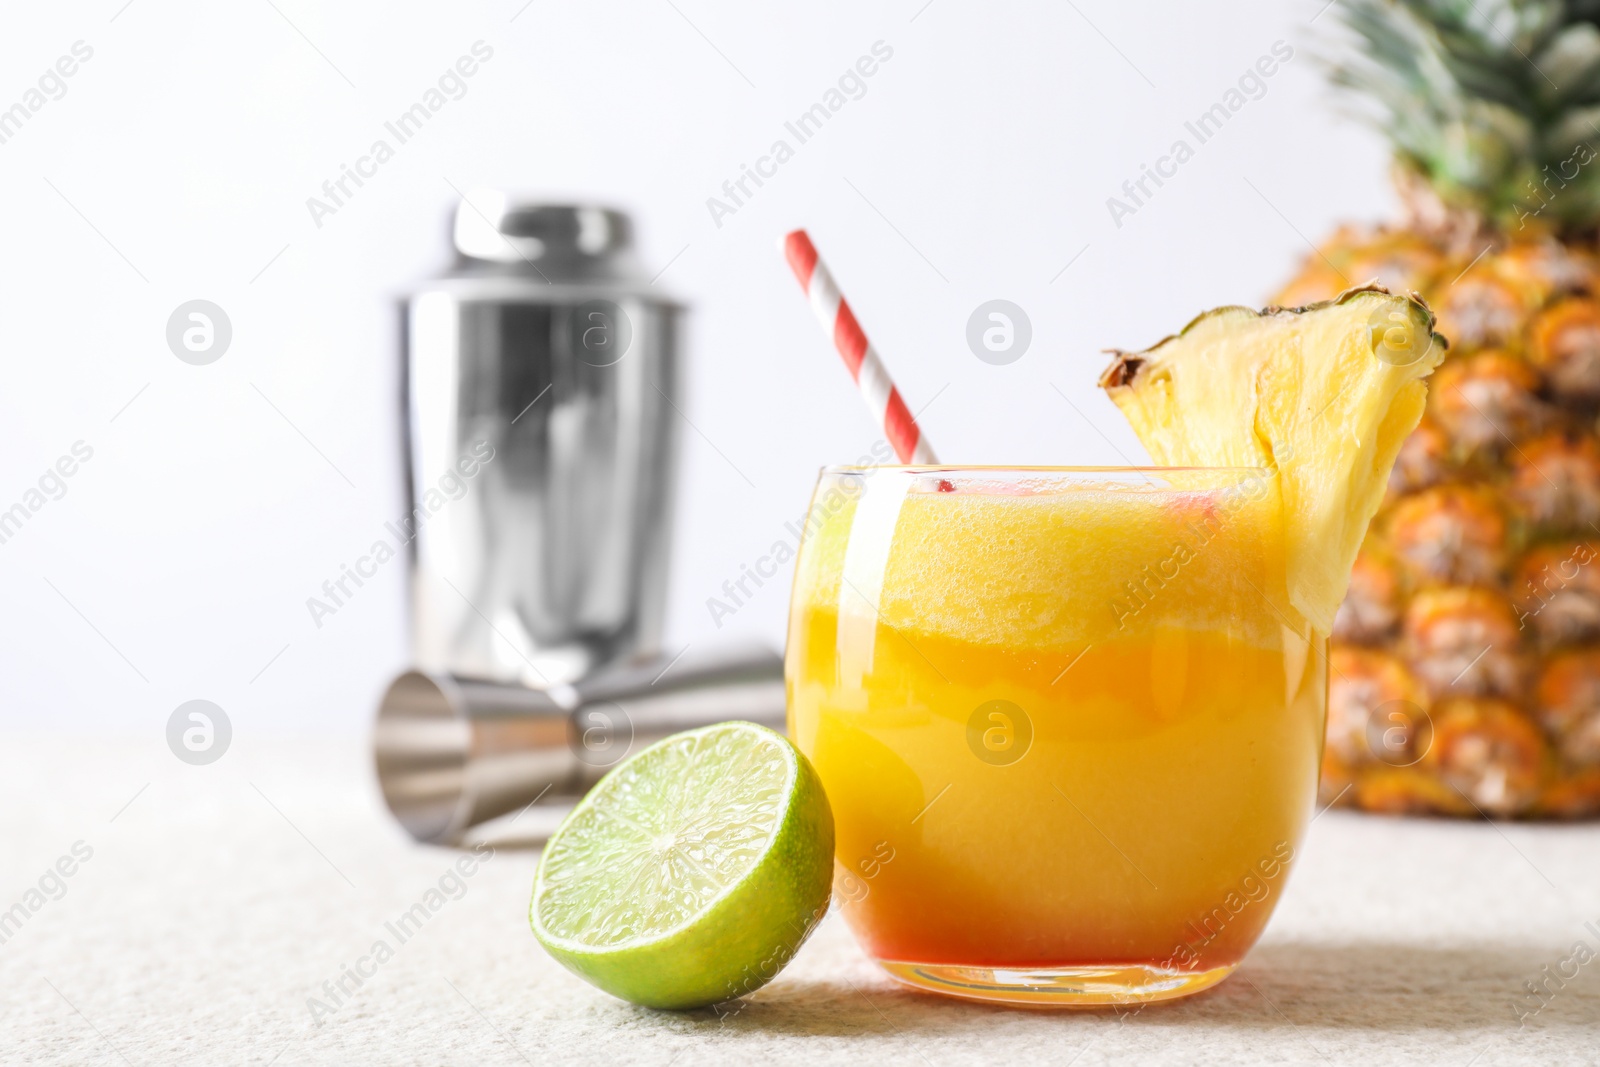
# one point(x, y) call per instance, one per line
point(1067, 723)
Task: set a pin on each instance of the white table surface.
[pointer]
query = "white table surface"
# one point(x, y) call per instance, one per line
point(222, 897)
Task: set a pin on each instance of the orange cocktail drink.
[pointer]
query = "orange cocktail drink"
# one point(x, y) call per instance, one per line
point(1068, 724)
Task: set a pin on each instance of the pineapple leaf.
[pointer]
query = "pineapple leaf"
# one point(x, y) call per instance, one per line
point(1496, 103)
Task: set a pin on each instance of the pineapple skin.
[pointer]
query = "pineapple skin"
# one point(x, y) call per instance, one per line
point(1488, 537)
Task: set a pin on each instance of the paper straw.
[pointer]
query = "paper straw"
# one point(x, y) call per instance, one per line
point(839, 322)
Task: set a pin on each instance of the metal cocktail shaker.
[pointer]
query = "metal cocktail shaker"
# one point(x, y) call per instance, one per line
point(540, 373)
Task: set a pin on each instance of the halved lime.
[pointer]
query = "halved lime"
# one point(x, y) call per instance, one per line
point(692, 872)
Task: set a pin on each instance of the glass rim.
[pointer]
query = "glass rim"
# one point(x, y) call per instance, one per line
point(988, 468)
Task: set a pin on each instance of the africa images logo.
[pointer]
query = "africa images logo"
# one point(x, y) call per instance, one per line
point(851, 85)
point(451, 486)
point(450, 85)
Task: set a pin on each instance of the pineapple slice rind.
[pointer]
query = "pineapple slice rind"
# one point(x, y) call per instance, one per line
point(1324, 394)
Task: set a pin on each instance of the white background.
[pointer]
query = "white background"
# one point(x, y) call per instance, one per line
point(177, 166)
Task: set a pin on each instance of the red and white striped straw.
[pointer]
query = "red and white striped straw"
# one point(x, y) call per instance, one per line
point(857, 352)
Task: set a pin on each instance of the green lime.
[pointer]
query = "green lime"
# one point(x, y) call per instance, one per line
point(692, 872)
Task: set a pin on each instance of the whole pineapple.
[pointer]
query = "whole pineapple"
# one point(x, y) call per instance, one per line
point(1466, 666)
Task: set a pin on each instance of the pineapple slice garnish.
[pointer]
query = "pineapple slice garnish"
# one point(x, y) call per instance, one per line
point(1324, 394)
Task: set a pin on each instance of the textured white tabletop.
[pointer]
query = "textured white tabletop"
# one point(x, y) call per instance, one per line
point(218, 901)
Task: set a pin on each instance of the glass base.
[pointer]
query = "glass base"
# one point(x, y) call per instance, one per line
point(1114, 985)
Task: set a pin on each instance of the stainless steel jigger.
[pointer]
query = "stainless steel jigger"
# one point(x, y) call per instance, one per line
point(455, 752)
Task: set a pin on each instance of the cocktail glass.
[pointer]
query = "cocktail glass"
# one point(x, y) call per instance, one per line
point(1068, 724)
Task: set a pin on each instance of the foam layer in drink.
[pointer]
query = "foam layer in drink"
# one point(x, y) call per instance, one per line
point(1049, 562)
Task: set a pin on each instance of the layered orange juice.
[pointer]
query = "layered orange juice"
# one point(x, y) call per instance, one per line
point(1067, 722)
